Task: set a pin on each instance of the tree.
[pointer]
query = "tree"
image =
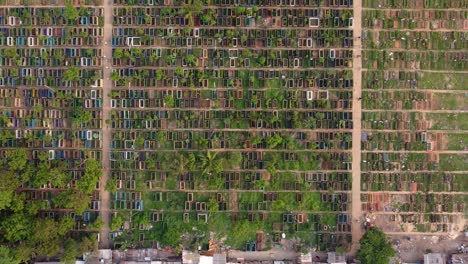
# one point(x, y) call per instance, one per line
point(46, 237)
point(7, 255)
point(169, 101)
point(261, 61)
point(118, 53)
point(88, 243)
point(111, 185)
point(273, 141)
point(115, 76)
point(160, 74)
point(70, 12)
point(116, 222)
point(10, 53)
point(190, 59)
point(192, 9)
point(72, 74)
point(65, 224)
point(210, 163)
point(93, 172)
point(23, 253)
point(71, 251)
point(8, 183)
point(71, 199)
point(16, 227)
point(213, 205)
point(375, 248)
point(14, 72)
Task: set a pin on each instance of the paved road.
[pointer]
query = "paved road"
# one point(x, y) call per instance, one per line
point(356, 213)
point(106, 132)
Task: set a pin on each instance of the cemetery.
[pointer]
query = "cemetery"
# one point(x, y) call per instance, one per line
point(413, 176)
point(246, 124)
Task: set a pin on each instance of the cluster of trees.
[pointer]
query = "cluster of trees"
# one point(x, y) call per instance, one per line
point(209, 163)
point(25, 235)
point(375, 248)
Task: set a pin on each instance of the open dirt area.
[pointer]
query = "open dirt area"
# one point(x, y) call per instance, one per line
point(412, 248)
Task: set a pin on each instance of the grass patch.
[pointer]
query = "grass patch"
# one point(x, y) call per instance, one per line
point(454, 162)
point(458, 121)
point(451, 101)
point(457, 141)
point(442, 81)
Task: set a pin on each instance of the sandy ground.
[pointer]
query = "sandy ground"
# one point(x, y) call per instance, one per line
point(414, 250)
point(356, 213)
point(106, 131)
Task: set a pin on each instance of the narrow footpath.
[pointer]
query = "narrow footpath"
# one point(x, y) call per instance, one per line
point(106, 131)
point(356, 212)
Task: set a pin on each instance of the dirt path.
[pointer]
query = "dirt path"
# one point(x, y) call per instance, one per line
point(106, 131)
point(356, 213)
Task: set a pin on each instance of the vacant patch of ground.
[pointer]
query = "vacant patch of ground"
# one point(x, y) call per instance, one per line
point(413, 250)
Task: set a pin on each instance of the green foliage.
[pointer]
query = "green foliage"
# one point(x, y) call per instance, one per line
point(234, 160)
point(375, 248)
point(274, 141)
point(10, 53)
point(116, 222)
point(261, 60)
point(191, 60)
point(242, 232)
point(212, 205)
point(97, 224)
point(70, 12)
point(210, 163)
point(23, 233)
point(16, 227)
point(72, 74)
point(71, 251)
point(169, 101)
point(209, 18)
point(23, 253)
point(115, 76)
point(65, 224)
point(239, 10)
point(176, 164)
point(71, 199)
point(93, 172)
point(160, 74)
point(111, 185)
point(45, 235)
point(7, 255)
point(118, 53)
point(14, 72)
point(192, 9)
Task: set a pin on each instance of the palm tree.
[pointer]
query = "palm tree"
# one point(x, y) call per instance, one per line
point(192, 9)
point(210, 163)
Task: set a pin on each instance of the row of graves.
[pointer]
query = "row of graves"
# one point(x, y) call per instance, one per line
point(415, 19)
point(51, 99)
point(228, 59)
point(145, 142)
point(252, 98)
point(231, 180)
point(413, 59)
point(214, 16)
point(246, 3)
point(327, 229)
